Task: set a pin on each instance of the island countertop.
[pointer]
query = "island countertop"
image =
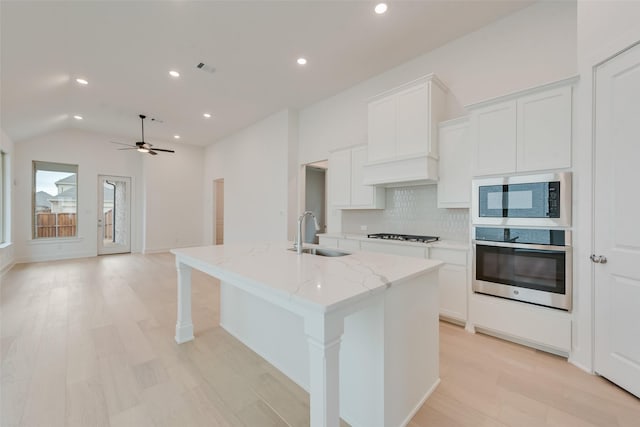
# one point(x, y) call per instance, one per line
point(315, 282)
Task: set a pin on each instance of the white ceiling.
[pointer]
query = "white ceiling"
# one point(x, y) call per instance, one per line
point(126, 49)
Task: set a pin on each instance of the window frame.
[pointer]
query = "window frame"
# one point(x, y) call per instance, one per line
point(3, 192)
point(52, 167)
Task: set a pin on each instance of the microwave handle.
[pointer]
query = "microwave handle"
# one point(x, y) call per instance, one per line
point(521, 245)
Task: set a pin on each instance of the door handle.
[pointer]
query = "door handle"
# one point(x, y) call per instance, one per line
point(598, 259)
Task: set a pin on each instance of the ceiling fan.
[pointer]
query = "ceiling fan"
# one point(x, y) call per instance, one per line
point(141, 146)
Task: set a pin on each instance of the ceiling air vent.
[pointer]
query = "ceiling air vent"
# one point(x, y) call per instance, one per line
point(204, 67)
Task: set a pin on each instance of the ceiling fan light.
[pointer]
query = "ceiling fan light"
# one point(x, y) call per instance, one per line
point(143, 150)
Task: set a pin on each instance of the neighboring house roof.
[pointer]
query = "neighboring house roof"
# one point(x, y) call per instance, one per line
point(70, 180)
point(42, 199)
point(69, 193)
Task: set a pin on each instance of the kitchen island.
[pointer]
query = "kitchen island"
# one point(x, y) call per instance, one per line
point(358, 332)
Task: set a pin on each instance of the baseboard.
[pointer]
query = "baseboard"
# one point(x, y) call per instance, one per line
point(419, 405)
point(6, 268)
point(60, 257)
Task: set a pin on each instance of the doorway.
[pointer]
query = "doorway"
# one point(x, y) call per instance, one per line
point(114, 214)
point(616, 233)
point(315, 199)
point(218, 211)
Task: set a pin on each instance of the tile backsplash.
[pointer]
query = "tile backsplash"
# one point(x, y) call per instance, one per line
point(410, 210)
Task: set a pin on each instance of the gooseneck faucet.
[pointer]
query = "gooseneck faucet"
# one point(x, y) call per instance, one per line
point(297, 245)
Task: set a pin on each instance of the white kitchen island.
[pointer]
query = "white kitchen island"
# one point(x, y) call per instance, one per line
point(358, 332)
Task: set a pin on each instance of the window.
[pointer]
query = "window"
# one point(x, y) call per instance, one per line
point(55, 200)
point(2, 196)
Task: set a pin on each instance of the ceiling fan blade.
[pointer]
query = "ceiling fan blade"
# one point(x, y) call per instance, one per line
point(162, 149)
point(130, 148)
point(153, 153)
point(120, 143)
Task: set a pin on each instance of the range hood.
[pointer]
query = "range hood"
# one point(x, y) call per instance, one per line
point(402, 171)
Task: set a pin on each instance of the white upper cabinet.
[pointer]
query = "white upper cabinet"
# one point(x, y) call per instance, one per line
point(382, 129)
point(402, 133)
point(494, 133)
point(523, 132)
point(346, 190)
point(544, 130)
point(454, 185)
point(412, 133)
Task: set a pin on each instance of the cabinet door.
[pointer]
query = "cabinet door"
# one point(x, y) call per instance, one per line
point(412, 114)
point(361, 195)
point(453, 291)
point(382, 129)
point(544, 130)
point(340, 178)
point(454, 183)
point(390, 248)
point(494, 139)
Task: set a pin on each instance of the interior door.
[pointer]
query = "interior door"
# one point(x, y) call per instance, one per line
point(617, 234)
point(114, 214)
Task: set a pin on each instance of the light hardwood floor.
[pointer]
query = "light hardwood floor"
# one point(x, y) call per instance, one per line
point(89, 342)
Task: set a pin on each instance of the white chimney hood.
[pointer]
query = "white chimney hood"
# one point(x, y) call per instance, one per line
point(400, 172)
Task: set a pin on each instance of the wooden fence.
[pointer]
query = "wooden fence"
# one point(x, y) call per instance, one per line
point(108, 225)
point(55, 225)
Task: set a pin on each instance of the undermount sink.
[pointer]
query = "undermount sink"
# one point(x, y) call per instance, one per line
point(323, 252)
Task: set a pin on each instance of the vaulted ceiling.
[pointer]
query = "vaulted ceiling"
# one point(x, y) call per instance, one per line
point(125, 50)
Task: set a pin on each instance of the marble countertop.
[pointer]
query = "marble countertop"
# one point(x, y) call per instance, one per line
point(445, 244)
point(316, 282)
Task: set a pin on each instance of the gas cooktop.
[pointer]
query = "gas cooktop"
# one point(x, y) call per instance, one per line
point(403, 237)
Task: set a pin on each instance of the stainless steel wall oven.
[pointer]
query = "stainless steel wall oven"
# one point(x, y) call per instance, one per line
point(530, 265)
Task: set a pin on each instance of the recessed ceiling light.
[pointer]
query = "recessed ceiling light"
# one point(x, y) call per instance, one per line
point(77, 117)
point(82, 81)
point(302, 61)
point(380, 8)
point(174, 73)
point(176, 136)
point(207, 115)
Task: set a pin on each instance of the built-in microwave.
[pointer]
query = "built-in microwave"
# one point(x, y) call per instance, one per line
point(523, 200)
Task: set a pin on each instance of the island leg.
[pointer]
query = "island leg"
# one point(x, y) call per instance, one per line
point(324, 332)
point(184, 325)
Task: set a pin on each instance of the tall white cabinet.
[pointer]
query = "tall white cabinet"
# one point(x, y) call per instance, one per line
point(454, 184)
point(524, 131)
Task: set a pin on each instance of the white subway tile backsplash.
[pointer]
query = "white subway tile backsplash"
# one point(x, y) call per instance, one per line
point(410, 210)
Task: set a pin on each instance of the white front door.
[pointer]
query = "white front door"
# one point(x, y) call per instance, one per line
point(114, 214)
point(617, 220)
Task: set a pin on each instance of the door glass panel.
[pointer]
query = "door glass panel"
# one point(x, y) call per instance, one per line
point(115, 215)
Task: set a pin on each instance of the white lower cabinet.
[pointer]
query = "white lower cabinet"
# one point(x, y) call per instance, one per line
point(545, 328)
point(453, 282)
point(395, 249)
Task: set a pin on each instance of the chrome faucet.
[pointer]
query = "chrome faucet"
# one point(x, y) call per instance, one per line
point(297, 245)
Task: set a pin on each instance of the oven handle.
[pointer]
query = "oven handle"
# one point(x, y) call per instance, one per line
point(522, 245)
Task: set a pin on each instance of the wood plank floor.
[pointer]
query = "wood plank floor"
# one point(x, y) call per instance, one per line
point(89, 342)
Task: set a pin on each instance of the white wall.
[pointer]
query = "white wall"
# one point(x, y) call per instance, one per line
point(603, 29)
point(255, 166)
point(173, 205)
point(94, 155)
point(7, 256)
point(166, 206)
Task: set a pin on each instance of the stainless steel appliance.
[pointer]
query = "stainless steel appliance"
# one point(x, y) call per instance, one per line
point(403, 237)
point(530, 265)
point(542, 200)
